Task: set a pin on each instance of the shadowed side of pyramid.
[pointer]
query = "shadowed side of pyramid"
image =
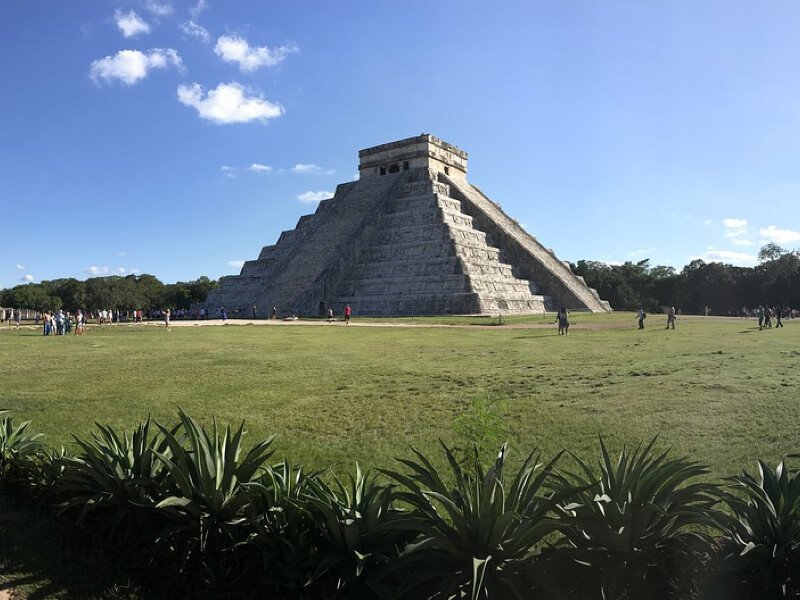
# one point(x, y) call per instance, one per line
point(411, 237)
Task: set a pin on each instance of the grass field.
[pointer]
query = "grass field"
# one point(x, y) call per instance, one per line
point(716, 389)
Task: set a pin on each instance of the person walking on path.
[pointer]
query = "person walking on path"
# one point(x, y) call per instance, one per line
point(347, 312)
point(330, 315)
point(671, 317)
point(274, 313)
point(641, 316)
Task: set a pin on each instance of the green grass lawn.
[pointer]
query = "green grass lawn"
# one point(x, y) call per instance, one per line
point(716, 389)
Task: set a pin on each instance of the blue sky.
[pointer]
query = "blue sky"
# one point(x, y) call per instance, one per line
point(178, 138)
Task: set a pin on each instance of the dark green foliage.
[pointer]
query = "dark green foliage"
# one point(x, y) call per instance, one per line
point(286, 540)
point(763, 532)
point(482, 536)
point(114, 482)
point(205, 507)
point(18, 447)
point(357, 520)
point(635, 527)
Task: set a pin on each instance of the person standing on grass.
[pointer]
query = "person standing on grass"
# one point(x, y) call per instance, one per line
point(778, 316)
point(347, 312)
point(562, 318)
point(760, 315)
point(330, 315)
point(641, 315)
point(671, 317)
point(18, 316)
point(274, 313)
point(167, 314)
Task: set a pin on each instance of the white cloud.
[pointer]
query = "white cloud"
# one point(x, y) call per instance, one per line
point(742, 242)
point(27, 278)
point(236, 263)
point(95, 271)
point(120, 271)
point(232, 48)
point(160, 9)
point(130, 24)
point(196, 31)
point(199, 7)
point(259, 168)
point(123, 254)
point(311, 169)
point(227, 168)
point(708, 222)
point(780, 236)
point(20, 267)
point(734, 223)
point(131, 66)
point(135, 271)
point(228, 103)
point(727, 257)
point(311, 197)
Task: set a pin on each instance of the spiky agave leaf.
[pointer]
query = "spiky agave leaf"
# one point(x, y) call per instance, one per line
point(17, 446)
point(763, 531)
point(636, 520)
point(480, 537)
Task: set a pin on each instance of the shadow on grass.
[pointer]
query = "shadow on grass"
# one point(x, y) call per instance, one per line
point(40, 557)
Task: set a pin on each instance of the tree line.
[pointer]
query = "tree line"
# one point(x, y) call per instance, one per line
point(133, 292)
point(724, 289)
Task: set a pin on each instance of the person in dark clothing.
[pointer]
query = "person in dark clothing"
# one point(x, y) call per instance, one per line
point(778, 316)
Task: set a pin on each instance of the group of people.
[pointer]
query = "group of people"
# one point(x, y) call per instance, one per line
point(766, 314)
point(60, 323)
point(347, 312)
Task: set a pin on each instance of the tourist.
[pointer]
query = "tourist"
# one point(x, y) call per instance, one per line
point(274, 313)
point(223, 315)
point(778, 316)
point(330, 315)
point(768, 317)
point(671, 317)
point(167, 313)
point(60, 322)
point(255, 311)
point(760, 315)
point(562, 318)
point(46, 319)
point(18, 316)
point(80, 323)
point(347, 312)
point(641, 316)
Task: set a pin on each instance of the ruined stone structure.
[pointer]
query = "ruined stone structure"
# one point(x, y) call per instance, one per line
point(411, 237)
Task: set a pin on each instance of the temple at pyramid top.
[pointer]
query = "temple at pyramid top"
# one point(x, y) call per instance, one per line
point(421, 152)
point(411, 237)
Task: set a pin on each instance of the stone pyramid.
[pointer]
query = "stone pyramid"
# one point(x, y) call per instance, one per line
point(411, 237)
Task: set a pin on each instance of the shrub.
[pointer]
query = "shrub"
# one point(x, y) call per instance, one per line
point(356, 521)
point(636, 526)
point(763, 532)
point(18, 447)
point(114, 483)
point(480, 538)
point(287, 538)
point(206, 507)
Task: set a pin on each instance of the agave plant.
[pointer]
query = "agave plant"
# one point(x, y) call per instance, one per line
point(287, 537)
point(206, 509)
point(764, 534)
point(637, 524)
point(114, 481)
point(481, 538)
point(356, 540)
point(17, 446)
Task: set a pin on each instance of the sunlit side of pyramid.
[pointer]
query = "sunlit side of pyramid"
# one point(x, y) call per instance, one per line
point(411, 237)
